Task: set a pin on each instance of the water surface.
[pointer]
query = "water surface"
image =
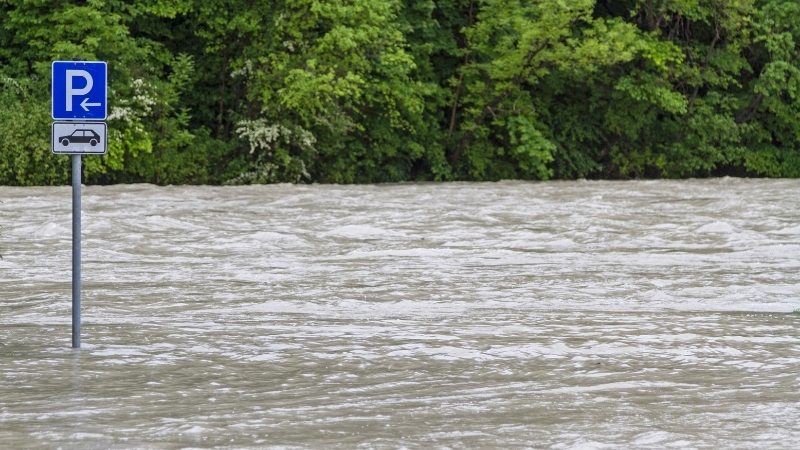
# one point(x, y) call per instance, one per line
point(643, 314)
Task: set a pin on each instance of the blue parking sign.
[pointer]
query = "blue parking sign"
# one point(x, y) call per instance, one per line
point(79, 90)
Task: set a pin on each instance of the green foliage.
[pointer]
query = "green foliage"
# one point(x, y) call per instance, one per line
point(26, 158)
point(236, 92)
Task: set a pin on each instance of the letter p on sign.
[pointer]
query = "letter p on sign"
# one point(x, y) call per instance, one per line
point(72, 91)
point(79, 90)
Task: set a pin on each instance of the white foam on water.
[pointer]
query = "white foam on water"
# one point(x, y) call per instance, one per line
point(716, 227)
point(362, 232)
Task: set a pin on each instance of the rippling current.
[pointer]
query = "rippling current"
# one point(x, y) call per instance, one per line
point(640, 314)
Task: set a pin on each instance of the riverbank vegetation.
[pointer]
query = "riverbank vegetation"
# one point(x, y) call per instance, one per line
point(354, 91)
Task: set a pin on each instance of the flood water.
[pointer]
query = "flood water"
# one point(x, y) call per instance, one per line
point(640, 314)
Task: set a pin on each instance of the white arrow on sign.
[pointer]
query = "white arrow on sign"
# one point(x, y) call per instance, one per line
point(84, 104)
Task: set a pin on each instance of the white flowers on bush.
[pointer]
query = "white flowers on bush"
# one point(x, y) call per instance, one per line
point(275, 164)
point(245, 71)
point(137, 107)
point(262, 135)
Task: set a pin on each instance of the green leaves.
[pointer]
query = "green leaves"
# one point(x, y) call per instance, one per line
point(531, 148)
point(514, 46)
point(25, 156)
point(261, 91)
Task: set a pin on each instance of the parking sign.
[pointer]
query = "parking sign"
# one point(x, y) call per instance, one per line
point(79, 90)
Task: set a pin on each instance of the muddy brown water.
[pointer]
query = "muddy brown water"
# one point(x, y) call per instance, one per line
point(641, 314)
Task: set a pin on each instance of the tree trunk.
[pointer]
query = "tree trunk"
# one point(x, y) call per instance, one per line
point(465, 140)
point(748, 113)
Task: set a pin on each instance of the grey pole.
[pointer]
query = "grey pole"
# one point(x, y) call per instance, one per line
point(76, 251)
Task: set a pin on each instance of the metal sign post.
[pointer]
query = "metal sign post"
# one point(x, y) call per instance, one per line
point(80, 102)
point(76, 251)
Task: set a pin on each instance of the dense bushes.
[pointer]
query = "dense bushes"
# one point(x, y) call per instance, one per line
point(234, 91)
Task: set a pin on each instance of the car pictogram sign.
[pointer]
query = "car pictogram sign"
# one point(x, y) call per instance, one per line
point(79, 90)
point(79, 138)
